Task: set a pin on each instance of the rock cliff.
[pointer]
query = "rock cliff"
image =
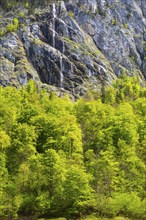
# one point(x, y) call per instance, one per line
point(74, 45)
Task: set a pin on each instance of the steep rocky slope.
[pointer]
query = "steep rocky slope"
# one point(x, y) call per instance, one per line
point(76, 44)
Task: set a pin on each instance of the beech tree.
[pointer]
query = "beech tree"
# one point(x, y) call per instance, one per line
point(65, 158)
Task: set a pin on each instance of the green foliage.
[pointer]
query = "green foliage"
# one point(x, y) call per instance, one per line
point(14, 26)
point(10, 27)
point(77, 191)
point(126, 26)
point(71, 14)
point(114, 22)
point(128, 204)
point(59, 158)
point(21, 14)
point(8, 5)
point(2, 32)
point(26, 4)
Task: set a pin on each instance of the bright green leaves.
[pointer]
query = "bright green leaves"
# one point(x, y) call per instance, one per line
point(126, 88)
point(40, 136)
point(94, 117)
point(22, 145)
point(59, 158)
point(4, 144)
point(70, 134)
point(104, 169)
point(59, 132)
point(4, 141)
point(127, 203)
point(125, 125)
point(114, 141)
point(77, 191)
point(55, 173)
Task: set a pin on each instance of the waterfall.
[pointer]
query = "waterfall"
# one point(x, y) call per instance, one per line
point(71, 69)
point(61, 70)
point(53, 43)
point(53, 23)
point(63, 47)
point(93, 7)
point(90, 73)
point(61, 66)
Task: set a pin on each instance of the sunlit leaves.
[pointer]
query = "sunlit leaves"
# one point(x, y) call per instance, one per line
point(63, 158)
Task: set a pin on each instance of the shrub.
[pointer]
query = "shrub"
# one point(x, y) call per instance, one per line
point(70, 14)
point(2, 32)
point(14, 26)
point(126, 26)
point(16, 23)
point(27, 5)
point(21, 14)
point(114, 22)
point(128, 204)
point(10, 27)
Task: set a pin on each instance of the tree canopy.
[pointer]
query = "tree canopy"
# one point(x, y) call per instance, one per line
point(65, 158)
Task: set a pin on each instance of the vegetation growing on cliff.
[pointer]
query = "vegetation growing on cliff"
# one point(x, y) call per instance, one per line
point(59, 158)
point(12, 4)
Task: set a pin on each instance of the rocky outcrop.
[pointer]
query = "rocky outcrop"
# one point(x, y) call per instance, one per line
point(74, 45)
point(118, 29)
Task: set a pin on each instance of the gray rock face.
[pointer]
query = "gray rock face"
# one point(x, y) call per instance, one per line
point(77, 44)
point(118, 29)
